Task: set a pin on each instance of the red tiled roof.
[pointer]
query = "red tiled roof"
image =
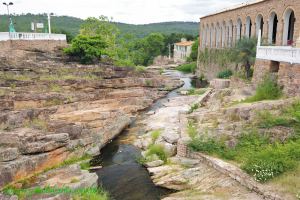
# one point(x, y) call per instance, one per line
point(187, 43)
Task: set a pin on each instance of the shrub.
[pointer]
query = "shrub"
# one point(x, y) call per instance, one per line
point(187, 68)
point(225, 74)
point(267, 90)
point(159, 151)
point(87, 48)
point(258, 156)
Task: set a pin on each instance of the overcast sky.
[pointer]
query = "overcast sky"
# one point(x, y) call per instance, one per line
point(128, 11)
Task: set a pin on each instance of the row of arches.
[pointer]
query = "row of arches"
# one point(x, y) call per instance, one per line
point(225, 34)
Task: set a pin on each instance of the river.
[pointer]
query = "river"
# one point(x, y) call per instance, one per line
point(121, 175)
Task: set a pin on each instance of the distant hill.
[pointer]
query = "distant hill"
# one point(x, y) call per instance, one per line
point(72, 25)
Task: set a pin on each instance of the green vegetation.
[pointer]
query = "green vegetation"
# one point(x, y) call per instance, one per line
point(159, 151)
point(87, 48)
point(225, 74)
point(155, 135)
point(187, 68)
point(194, 54)
point(194, 91)
point(85, 165)
point(37, 124)
point(260, 155)
point(222, 57)
point(193, 108)
point(71, 25)
point(91, 193)
point(191, 129)
point(267, 90)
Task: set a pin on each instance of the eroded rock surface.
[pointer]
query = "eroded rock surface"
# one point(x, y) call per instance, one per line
point(52, 110)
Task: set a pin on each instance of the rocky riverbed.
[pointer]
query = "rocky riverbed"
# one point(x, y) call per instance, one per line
point(52, 110)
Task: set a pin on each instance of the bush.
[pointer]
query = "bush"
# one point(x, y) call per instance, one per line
point(225, 74)
point(87, 48)
point(159, 151)
point(267, 90)
point(258, 156)
point(187, 68)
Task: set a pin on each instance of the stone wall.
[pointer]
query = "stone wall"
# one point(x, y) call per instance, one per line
point(40, 45)
point(222, 29)
point(288, 75)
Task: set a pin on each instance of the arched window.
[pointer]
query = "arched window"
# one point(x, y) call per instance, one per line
point(259, 25)
point(207, 36)
point(239, 28)
point(273, 22)
point(218, 42)
point(248, 27)
point(230, 33)
point(223, 34)
point(203, 36)
point(212, 35)
point(289, 26)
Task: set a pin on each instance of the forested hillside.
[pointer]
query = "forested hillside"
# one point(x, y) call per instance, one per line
point(72, 24)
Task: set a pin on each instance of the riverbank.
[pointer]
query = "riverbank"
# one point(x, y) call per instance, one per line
point(52, 111)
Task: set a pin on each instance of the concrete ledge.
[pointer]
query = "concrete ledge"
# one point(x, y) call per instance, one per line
point(220, 83)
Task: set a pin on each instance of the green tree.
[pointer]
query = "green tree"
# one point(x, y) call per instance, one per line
point(87, 49)
point(103, 27)
point(146, 49)
point(246, 53)
point(194, 53)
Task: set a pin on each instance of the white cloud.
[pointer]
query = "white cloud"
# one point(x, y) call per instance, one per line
point(129, 11)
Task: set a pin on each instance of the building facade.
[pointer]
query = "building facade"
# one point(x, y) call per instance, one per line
point(182, 50)
point(277, 20)
point(276, 24)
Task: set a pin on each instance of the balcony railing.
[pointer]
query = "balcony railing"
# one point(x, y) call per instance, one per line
point(5, 36)
point(279, 53)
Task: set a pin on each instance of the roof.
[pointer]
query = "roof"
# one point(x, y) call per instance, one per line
point(187, 43)
point(248, 3)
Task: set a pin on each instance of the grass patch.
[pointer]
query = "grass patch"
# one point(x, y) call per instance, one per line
point(256, 154)
point(191, 129)
point(36, 123)
point(267, 90)
point(91, 193)
point(159, 151)
point(155, 135)
point(187, 68)
point(85, 165)
point(194, 91)
point(193, 108)
point(140, 69)
point(225, 74)
point(55, 88)
point(53, 102)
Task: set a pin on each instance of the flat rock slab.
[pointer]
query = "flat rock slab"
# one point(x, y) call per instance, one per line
point(8, 154)
point(220, 83)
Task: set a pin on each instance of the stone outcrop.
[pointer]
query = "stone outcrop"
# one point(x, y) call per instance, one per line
point(52, 110)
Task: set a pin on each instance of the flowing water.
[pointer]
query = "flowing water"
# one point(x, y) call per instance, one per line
point(121, 175)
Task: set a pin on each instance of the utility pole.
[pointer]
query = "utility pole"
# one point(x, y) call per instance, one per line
point(49, 22)
point(169, 51)
point(10, 23)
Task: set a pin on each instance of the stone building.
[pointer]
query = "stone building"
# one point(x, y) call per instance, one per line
point(276, 24)
point(182, 50)
point(275, 18)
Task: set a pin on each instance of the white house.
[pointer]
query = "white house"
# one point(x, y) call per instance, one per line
point(182, 50)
